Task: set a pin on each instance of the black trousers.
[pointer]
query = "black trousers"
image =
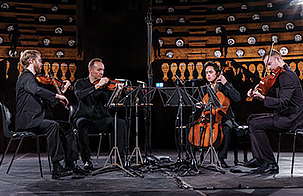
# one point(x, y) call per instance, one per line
point(105, 125)
point(223, 148)
point(60, 140)
point(258, 125)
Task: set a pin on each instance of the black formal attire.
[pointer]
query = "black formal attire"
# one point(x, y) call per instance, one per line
point(286, 99)
point(92, 116)
point(32, 114)
point(227, 121)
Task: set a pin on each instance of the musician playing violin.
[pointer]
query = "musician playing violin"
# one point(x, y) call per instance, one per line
point(31, 115)
point(219, 84)
point(285, 98)
point(91, 115)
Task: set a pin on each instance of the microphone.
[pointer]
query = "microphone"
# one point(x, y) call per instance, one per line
point(179, 79)
point(123, 80)
point(194, 80)
point(143, 83)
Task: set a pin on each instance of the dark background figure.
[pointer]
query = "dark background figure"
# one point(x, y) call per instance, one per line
point(80, 42)
point(224, 43)
point(156, 43)
point(14, 39)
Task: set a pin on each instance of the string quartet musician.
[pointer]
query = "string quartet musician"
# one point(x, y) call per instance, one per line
point(219, 83)
point(285, 98)
point(32, 114)
point(91, 115)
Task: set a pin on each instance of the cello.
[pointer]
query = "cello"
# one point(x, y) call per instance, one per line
point(200, 133)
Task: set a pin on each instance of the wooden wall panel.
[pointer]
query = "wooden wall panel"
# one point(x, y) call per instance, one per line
point(202, 17)
point(33, 32)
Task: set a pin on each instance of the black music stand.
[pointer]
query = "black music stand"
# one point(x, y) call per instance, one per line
point(213, 102)
point(178, 97)
point(114, 102)
point(140, 99)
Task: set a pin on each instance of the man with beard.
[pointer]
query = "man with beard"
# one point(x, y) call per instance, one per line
point(31, 114)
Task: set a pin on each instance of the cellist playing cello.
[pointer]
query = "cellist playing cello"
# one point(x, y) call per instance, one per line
point(225, 92)
point(286, 99)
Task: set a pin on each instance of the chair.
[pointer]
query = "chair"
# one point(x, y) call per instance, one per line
point(294, 132)
point(72, 110)
point(241, 138)
point(8, 132)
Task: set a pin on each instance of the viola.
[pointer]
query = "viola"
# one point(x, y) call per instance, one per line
point(111, 84)
point(267, 82)
point(49, 80)
point(52, 81)
point(200, 134)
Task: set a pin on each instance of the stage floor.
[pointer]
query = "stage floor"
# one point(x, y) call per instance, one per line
point(157, 178)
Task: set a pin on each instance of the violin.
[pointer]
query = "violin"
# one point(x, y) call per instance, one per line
point(110, 85)
point(200, 134)
point(266, 83)
point(52, 81)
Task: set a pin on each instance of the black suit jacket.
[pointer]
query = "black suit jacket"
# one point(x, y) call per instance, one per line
point(228, 90)
point(287, 102)
point(30, 100)
point(90, 100)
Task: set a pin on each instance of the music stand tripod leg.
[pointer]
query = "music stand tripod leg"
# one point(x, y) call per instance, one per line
point(137, 149)
point(114, 152)
point(211, 150)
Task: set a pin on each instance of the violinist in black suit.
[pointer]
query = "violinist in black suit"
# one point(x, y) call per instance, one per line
point(285, 97)
point(92, 116)
point(31, 114)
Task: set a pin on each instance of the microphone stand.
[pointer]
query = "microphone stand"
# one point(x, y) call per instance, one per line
point(148, 121)
point(128, 99)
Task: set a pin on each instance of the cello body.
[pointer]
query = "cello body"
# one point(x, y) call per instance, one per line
point(200, 133)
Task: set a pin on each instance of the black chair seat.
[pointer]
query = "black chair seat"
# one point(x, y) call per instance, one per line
point(18, 135)
point(8, 132)
point(72, 110)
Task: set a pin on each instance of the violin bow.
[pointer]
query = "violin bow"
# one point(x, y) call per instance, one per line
point(269, 55)
point(56, 86)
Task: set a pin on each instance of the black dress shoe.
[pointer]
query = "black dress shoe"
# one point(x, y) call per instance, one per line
point(266, 168)
point(60, 172)
point(88, 166)
point(223, 163)
point(254, 162)
point(76, 169)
